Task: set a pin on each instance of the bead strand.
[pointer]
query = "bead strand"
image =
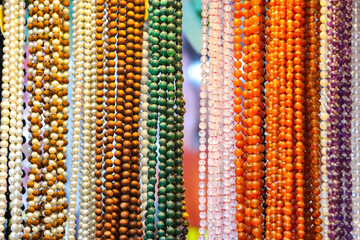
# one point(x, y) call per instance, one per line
point(143, 122)
point(152, 123)
point(324, 116)
point(76, 117)
point(35, 70)
point(346, 126)
point(227, 115)
point(203, 119)
point(239, 164)
point(355, 124)
point(99, 116)
point(272, 121)
point(85, 182)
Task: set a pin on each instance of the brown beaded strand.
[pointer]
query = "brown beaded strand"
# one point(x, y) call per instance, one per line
point(99, 116)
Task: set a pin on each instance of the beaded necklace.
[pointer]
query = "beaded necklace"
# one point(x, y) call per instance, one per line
point(120, 215)
point(47, 204)
point(166, 109)
point(12, 115)
point(312, 128)
point(355, 127)
point(339, 110)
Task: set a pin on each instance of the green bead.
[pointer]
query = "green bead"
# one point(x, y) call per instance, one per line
point(156, 55)
point(162, 125)
point(179, 40)
point(170, 103)
point(171, 2)
point(178, 75)
point(179, 152)
point(170, 196)
point(153, 78)
point(179, 135)
point(162, 118)
point(169, 222)
point(170, 69)
point(162, 93)
point(152, 163)
point(151, 195)
point(163, 11)
point(178, 161)
point(163, 27)
point(162, 207)
point(163, 2)
point(163, 43)
point(149, 234)
point(163, 18)
point(178, 231)
point(170, 204)
point(152, 132)
point(170, 86)
point(170, 112)
point(162, 158)
point(163, 85)
point(179, 143)
point(170, 179)
point(170, 60)
point(171, 27)
point(162, 174)
point(162, 77)
point(162, 199)
point(156, 12)
point(152, 156)
point(178, 23)
point(169, 127)
point(155, 48)
point(162, 133)
point(151, 211)
point(162, 109)
point(150, 202)
point(170, 120)
point(160, 226)
point(169, 170)
point(152, 139)
point(162, 102)
point(152, 172)
point(162, 68)
point(163, 60)
point(170, 154)
point(150, 225)
point(170, 136)
point(154, 70)
point(162, 150)
point(155, 3)
point(154, 86)
point(171, 44)
point(162, 167)
point(171, 52)
point(152, 180)
point(178, 49)
point(179, 84)
point(163, 51)
point(171, 11)
point(161, 215)
point(178, 214)
point(170, 19)
point(170, 144)
point(162, 237)
point(171, 36)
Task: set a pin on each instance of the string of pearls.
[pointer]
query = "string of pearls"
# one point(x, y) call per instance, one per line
point(85, 183)
point(203, 116)
point(76, 114)
point(12, 114)
point(324, 116)
point(143, 122)
point(17, 52)
point(355, 125)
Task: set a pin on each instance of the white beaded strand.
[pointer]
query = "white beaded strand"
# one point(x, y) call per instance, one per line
point(324, 116)
point(76, 117)
point(203, 124)
point(143, 121)
point(355, 124)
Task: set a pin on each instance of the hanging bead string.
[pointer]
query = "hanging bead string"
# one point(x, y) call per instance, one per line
point(203, 119)
point(216, 67)
point(272, 119)
point(86, 142)
point(324, 116)
point(93, 120)
point(253, 114)
point(152, 123)
point(312, 128)
point(181, 221)
point(335, 64)
point(36, 101)
point(346, 122)
point(12, 109)
point(4, 135)
point(16, 118)
point(355, 124)
point(100, 25)
point(228, 224)
point(143, 122)
point(77, 118)
point(239, 165)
